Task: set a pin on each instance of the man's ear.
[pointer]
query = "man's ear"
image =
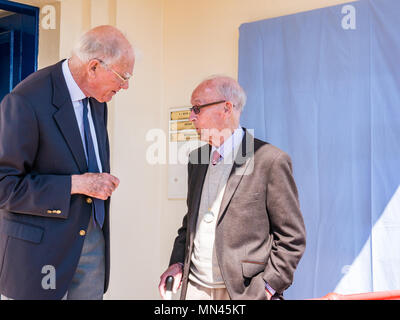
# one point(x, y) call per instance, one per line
point(92, 67)
point(228, 107)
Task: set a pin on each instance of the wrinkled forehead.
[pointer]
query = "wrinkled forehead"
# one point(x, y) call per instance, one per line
point(204, 92)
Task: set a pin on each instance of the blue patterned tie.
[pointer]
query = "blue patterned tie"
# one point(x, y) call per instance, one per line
point(98, 204)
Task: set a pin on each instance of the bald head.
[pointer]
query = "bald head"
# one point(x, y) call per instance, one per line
point(227, 88)
point(106, 43)
point(218, 102)
point(102, 63)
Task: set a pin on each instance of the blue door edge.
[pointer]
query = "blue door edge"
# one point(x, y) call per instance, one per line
point(28, 10)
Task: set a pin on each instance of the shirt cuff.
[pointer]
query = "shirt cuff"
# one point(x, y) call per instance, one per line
point(269, 288)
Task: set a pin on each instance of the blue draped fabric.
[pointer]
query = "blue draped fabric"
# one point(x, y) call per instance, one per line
point(324, 86)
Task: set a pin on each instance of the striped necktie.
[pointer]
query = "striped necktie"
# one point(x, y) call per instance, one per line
point(215, 157)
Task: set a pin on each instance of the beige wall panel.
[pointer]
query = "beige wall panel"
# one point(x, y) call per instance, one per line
point(136, 205)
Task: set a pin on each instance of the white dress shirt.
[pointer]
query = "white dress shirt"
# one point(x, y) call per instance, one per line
point(77, 96)
point(229, 145)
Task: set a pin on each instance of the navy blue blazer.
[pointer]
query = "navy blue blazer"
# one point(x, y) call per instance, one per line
point(40, 221)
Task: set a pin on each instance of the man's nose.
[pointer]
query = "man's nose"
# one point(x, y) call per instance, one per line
point(125, 85)
point(192, 116)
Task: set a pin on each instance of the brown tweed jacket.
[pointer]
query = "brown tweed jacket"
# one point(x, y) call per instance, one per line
point(260, 233)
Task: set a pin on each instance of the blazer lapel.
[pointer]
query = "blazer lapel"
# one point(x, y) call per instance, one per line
point(244, 158)
point(197, 182)
point(66, 119)
point(101, 131)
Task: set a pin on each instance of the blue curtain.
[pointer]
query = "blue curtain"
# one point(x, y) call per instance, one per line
point(324, 86)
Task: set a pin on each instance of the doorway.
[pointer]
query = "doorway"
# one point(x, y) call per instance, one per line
point(19, 40)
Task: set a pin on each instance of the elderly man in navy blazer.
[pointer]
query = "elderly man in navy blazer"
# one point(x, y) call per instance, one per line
point(54, 173)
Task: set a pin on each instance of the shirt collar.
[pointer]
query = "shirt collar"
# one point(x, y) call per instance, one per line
point(230, 144)
point(74, 91)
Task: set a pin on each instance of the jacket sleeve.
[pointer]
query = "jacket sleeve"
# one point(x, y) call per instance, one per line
point(178, 251)
point(287, 225)
point(22, 190)
point(179, 248)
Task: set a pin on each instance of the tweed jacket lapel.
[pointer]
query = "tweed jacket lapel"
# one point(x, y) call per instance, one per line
point(200, 161)
point(243, 164)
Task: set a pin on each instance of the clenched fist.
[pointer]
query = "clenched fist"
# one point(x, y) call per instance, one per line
point(96, 185)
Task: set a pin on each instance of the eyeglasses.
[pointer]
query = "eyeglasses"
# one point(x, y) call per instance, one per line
point(196, 109)
point(124, 79)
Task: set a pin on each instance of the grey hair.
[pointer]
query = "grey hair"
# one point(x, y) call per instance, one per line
point(91, 46)
point(230, 89)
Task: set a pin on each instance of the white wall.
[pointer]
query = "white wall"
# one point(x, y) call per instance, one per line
point(137, 203)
